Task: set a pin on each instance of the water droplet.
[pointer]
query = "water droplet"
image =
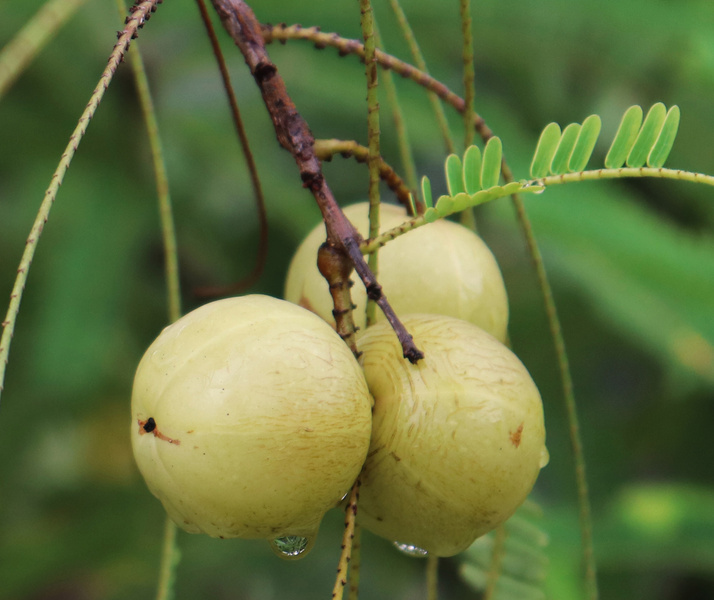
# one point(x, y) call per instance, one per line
point(544, 457)
point(411, 550)
point(291, 547)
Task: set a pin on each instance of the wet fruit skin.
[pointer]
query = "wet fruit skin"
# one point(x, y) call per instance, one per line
point(458, 439)
point(440, 268)
point(250, 418)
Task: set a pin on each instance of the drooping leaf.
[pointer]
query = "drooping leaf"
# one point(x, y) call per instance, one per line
point(648, 135)
point(624, 138)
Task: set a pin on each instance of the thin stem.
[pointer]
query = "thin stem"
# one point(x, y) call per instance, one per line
point(432, 577)
point(386, 61)
point(326, 149)
point(657, 172)
point(556, 332)
point(347, 540)
point(141, 13)
point(356, 562)
point(169, 552)
point(467, 55)
point(373, 137)
point(20, 51)
point(497, 554)
point(258, 195)
point(401, 133)
point(168, 230)
point(169, 560)
point(419, 61)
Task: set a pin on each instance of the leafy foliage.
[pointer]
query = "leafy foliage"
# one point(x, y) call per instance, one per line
point(513, 561)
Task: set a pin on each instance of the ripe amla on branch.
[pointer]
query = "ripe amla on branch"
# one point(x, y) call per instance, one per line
point(458, 439)
point(441, 268)
point(250, 418)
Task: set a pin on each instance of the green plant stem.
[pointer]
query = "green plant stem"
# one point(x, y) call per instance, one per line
point(494, 572)
point(356, 562)
point(432, 577)
point(556, 332)
point(168, 230)
point(373, 134)
point(137, 19)
point(405, 150)
point(467, 55)
point(19, 52)
point(169, 559)
point(656, 172)
point(169, 551)
point(418, 58)
point(347, 540)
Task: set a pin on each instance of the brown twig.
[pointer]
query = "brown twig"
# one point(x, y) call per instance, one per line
point(295, 136)
point(346, 46)
point(326, 149)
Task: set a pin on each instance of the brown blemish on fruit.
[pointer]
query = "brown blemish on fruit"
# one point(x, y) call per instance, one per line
point(149, 426)
point(516, 436)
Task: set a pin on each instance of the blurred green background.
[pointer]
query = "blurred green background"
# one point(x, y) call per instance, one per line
point(631, 262)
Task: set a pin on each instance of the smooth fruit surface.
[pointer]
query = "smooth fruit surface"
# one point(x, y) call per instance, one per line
point(441, 268)
point(250, 418)
point(458, 439)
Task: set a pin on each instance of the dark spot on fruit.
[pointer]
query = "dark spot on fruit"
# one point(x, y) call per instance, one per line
point(149, 425)
point(516, 436)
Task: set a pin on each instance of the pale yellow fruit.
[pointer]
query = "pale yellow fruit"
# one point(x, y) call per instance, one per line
point(458, 439)
point(441, 268)
point(250, 418)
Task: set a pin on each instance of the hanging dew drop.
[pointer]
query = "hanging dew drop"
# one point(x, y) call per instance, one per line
point(411, 550)
point(291, 547)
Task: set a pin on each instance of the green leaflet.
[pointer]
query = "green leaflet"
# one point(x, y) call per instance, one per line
point(426, 192)
point(585, 144)
point(454, 175)
point(491, 165)
point(545, 151)
point(561, 158)
point(647, 136)
point(472, 169)
point(624, 138)
point(662, 147)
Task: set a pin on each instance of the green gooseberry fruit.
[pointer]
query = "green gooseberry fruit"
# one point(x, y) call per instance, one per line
point(250, 418)
point(440, 268)
point(458, 439)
